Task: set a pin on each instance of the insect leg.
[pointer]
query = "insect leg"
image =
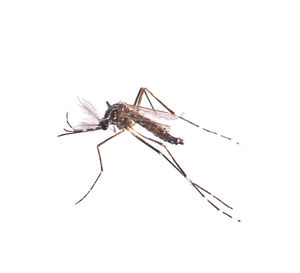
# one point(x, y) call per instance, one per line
point(145, 91)
point(139, 98)
point(163, 145)
point(101, 165)
point(180, 170)
point(155, 149)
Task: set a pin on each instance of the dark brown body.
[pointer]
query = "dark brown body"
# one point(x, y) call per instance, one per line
point(125, 116)
point(120, 115)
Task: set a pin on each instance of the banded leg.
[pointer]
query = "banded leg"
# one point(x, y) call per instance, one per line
point(146, 91)
point(143, 91)
point(180, 170)
point(101, 165)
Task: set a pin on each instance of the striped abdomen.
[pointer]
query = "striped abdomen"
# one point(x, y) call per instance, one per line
point(155, 128)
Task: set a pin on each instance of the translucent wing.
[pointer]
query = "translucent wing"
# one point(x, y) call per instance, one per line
point(151, 113)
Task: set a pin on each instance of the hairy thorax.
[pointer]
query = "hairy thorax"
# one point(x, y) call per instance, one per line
point(118, 114)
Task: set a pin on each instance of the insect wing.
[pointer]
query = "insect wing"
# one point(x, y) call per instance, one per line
point(152, 113)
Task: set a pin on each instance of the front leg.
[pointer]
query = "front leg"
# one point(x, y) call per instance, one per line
point(101, 165)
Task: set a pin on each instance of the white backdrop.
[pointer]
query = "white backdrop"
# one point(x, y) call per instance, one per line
point(231, 66)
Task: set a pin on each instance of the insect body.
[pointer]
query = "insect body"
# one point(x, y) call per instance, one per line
point(125, 116)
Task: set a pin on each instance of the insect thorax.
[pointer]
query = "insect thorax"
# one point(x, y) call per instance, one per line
point(117, 114)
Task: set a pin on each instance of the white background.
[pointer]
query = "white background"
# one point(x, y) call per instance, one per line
point(231, 66)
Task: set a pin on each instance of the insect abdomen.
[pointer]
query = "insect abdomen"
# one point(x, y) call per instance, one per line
point(156, 130)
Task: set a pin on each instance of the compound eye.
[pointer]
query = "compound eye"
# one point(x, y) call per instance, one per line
point(104, 124)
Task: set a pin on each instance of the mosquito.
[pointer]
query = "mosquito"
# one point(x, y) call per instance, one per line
point(125, 116)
